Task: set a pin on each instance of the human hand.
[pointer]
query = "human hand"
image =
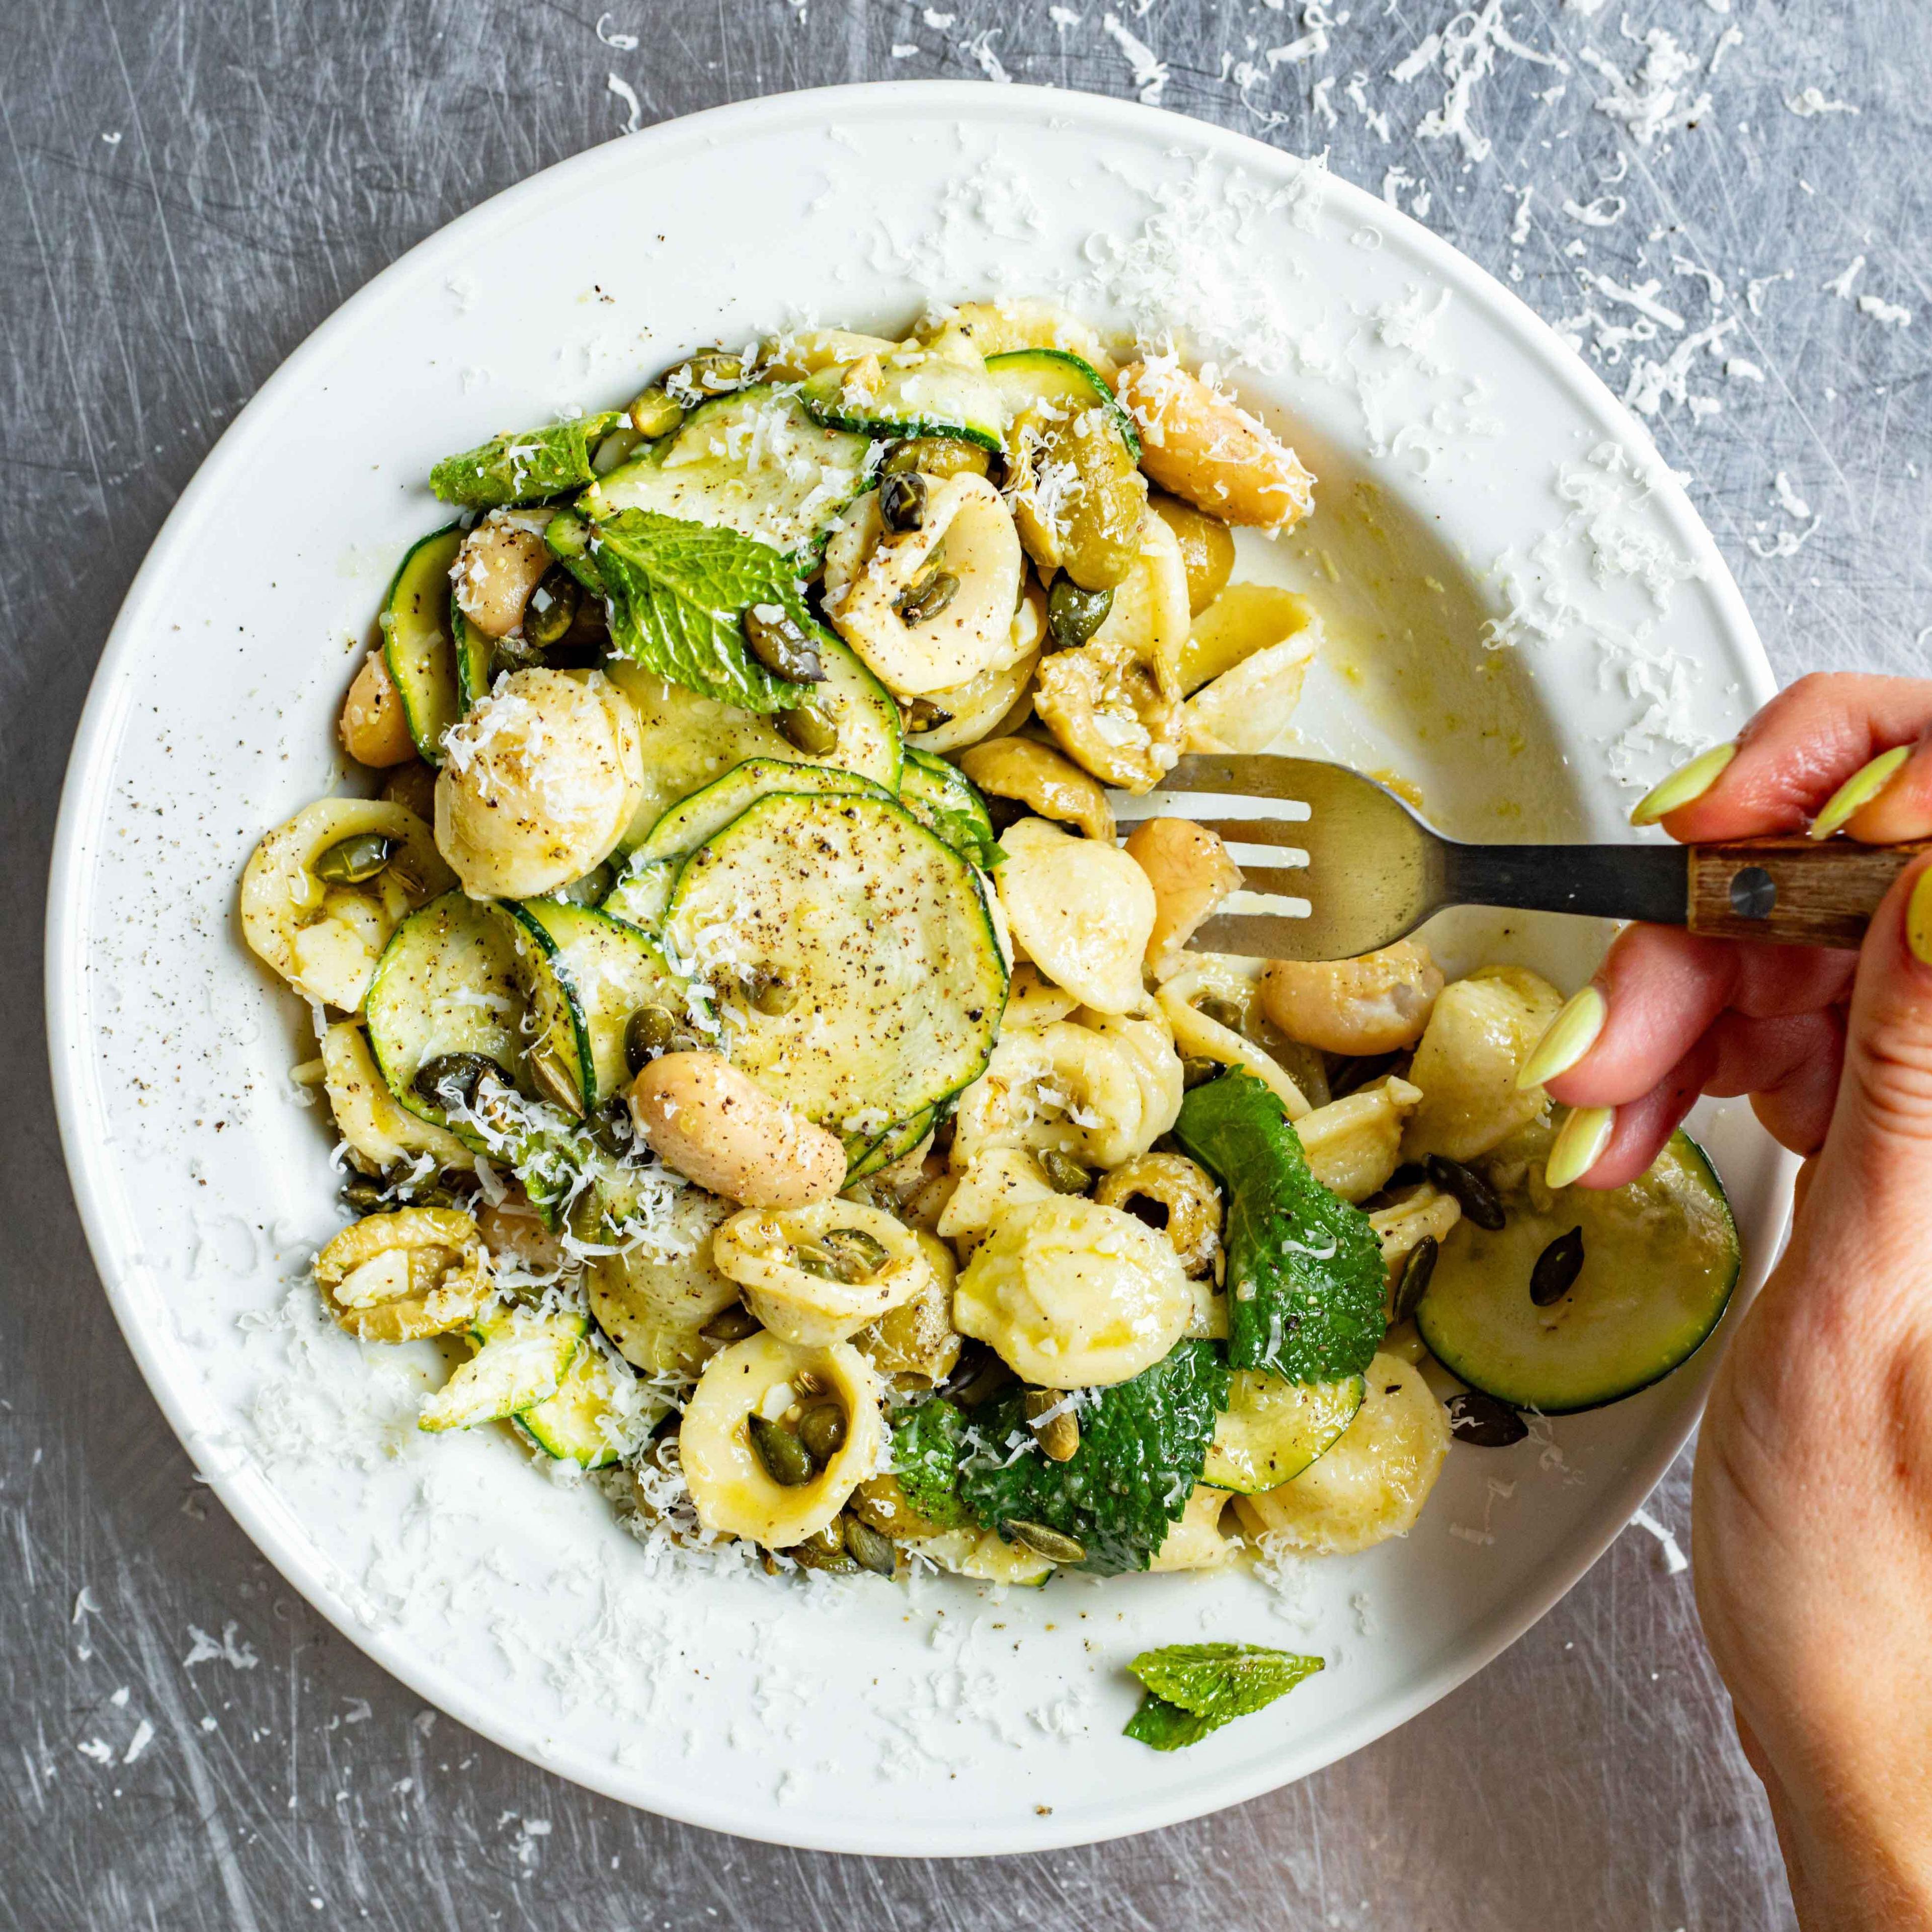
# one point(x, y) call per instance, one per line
point(1812, 1514)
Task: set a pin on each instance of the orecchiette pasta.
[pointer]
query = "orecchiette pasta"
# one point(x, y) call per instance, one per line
point(876, 580)
point(993, 1180)
point(1062, 1087)
point(733, 1492)
point(1114, 703)
point(1039, 777)
point(1080, 910)
point(1480, 1031)
point(985, 1555)
point(1198, 1541)
point(325, 939)
point(1425, 1215)
point(1071, 1294)
point(380, 1134)
point(652, 1299)
point(996, 700)
point(1248, 708)
point(1033, 1000)
point(792, 1266)
point(540, 782)
point(1199, 1035)
point(1023, 322)
point(1371, 1484)
point(1148, 1043)
point(1353, 1144)
point(916, 1340)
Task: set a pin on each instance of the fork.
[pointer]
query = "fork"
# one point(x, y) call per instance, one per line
point(1347, 867)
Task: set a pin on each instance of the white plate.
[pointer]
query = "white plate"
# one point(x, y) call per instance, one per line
point(1470, 466)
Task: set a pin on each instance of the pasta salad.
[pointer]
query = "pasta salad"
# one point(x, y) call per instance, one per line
point(758, 1059)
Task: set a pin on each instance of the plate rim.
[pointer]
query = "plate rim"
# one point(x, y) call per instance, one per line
point(245, 1491)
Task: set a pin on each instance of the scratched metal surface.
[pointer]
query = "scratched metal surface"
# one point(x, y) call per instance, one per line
point(190, 186)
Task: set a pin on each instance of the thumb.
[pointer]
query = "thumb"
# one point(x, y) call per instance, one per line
point(1877, 1164)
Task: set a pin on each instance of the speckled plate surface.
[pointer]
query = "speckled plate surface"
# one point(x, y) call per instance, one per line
point(1525, 618)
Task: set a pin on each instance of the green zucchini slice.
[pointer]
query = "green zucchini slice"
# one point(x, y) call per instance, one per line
point(689, 740)
point(639, 897)
point(585, 1421)
point(916, 395)
point(520, 1359)
point(475, 660)
point(754, 462)
point(686, 826)
point(1271, 1429)
point(1056, 380)
point(447, 982)
point(865, 1155)
point(417, 646)
point(1661, 1257)
point(585, 973)
point(946, 801)
point(882, 928)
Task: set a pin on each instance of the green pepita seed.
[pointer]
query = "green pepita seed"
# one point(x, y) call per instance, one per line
point(711, 372)
point(822, 1429)
point(1049, 1543)
point(786, 1459)
point(363, 1195)
point(1412, 1283)
point(865, 1253)
point(552, 608)
point(1073, 615)
point(655, 411)
point(771, 994)
point(649, 1032)
point(867, 1548)
point(730, 1324)
point(350, 861)
point(1222, 1012)
point(779, 643)
point(1064, 1174)
point(451, 1079)
point(824, 1550)
point(1197, 1069)
point(1556, 1269)
point(812, 1260)
point(902, 502)
point(923, 714)
point(1484, 1421)
point(554, 1081)
point(809, 729)
point(1472, 1192)
point(929, 597)
point(1055, 1426)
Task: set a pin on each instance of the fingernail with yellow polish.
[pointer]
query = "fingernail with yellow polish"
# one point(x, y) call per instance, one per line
point(1578, 1145)
point(1918, 918)
point(1688, 782)
point(1571, 1034)
point(1858, 791)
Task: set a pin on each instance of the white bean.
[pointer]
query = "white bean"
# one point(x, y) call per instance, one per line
point(1375, 1004)
point(717, 1126)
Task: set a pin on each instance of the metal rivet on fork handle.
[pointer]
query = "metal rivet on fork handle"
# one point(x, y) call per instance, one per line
point(1753, 893)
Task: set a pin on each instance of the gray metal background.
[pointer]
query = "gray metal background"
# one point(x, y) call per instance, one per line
point(191, 185)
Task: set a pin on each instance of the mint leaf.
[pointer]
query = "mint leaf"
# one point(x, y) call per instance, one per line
point(676, 594)
point(1194, 1688)
point(1305, 1279)
point(1142, 1444)
point(523, 465)
point(926, 1459)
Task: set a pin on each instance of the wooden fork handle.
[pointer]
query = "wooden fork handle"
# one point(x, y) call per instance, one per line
point(1793, 892)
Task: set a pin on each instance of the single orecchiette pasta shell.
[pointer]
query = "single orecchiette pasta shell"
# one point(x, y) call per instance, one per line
point(758, 1249)
point(653, 1297)
point(1354, 1144)
point(1080, 910)
point(1061, 1086)
point(1248, 708)
point(996, 1178)
point(917, 1339)
point(1197, 1541)
point(997, 701)
point(730, 1488)
point(325, 939)
point(379, 1133)
point(1072, 1294)
point(1480, 1031)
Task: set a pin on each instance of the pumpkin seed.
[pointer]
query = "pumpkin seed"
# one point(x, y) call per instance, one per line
point(1047, 1542)
point(1412, 1283)
point(807, 727)
point(730, 1324)
point(351, 861)
point(867, 1548)
point(648, 1033)
point(771, 993)
point(655, 412)
point(822, 1430)
point(1472, 1193)
point(1350, 1076)
point(450, 1081)
point(1224, 1012)
point(1484, 1422)
point(1073, 615)
point(1050, 1416)
point(937, 456)
point(780, 644)
point(553, 1080)
point(902, 502)
point(710, 372)
point(1063, 1173)
point(929, 597)
point(786, 1459)
point(1197, 1069)
point(363, 1194)
point(923, 714)
point(552, 608)
point(847, 1255)
point(1556, 1269)
point(824, 1550)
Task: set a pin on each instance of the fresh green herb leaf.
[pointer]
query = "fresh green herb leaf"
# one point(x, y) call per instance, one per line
point(524, 466)
point(1305, 1279)
point(676, 594)
point(1194, 1688)
point(1142, 1444)
point(926, 1459)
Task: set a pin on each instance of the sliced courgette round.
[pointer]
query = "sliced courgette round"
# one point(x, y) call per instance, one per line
point(417, 646)
point(585, 1421)
point(521, 1357)
point(912, 393)
point(447, 983)
point(689, 740)
point(585, 973)
point(867, 1154)
point(1057, 380)
point(946, 801)
point(1271, 1429)
point(754, 462)
point(688, 825)
point(475, 657)
point(881, 928)
point(640, 896)
point(1661, 1257)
